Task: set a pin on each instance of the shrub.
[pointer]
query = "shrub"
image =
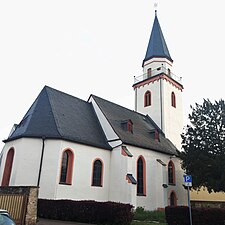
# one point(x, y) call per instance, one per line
point(200, 216)
point(86, 211)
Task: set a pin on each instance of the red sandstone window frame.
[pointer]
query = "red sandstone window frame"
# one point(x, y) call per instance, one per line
point(66, 171)
point(148, 98)
point(173, 198)
point(8, 167)
point(171, 173)
point(97, 175)
point(141, 176)
point(173, 99)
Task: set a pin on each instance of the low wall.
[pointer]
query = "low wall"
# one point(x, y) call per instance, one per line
point(208, 204)
point(28, 211)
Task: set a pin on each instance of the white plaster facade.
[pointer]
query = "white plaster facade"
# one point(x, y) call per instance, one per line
point(161, 85)
point(115, 186)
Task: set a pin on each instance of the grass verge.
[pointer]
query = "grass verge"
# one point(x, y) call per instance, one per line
point(144, 217)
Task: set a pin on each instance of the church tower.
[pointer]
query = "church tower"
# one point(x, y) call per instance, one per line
point(158, 92)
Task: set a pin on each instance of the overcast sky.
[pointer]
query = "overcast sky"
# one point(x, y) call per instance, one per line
point(85, 47)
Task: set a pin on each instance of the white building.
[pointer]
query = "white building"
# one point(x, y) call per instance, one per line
point(98, 150)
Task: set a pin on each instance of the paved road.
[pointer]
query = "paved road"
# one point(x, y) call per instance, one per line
point(57, 222)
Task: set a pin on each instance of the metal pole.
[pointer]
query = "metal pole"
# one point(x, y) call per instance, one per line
point(189, 206)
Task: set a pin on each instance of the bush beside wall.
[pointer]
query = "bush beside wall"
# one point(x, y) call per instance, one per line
point(200, 216)
point(86, 211)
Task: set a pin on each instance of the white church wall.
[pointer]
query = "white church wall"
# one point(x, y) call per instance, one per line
point(156, 175)
point(173, 117)
point(155, 106)
point(50, 169)
point(81, 188)
point(120, 190)
point(26, 166)
point(180, 191)
point(157, 65)
point(26, 161)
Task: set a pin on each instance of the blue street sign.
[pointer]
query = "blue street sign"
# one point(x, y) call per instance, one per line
point(188, 180)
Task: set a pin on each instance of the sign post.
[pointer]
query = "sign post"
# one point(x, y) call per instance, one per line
point(188, 184)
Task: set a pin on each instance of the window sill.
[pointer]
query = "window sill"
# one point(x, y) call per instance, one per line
point(96, 185)
point(172, 184)
point(144, 195)
point(62, 183)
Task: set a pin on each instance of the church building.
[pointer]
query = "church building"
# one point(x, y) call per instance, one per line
point(99, 150)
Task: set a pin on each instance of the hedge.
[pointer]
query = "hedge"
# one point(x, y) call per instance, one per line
point(200, 216)
point(86, 211)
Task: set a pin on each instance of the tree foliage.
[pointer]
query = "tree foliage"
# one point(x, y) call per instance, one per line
point(203, 143)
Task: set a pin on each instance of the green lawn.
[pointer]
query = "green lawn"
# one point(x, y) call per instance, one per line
point(144, 217)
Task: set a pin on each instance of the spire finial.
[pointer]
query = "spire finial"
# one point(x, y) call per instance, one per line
point(156, 6)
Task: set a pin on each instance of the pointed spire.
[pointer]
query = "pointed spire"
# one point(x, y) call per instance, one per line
point(157, 45)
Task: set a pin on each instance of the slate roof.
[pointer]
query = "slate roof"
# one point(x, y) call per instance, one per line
point(143, 127)
point(57, 115)
point(157, 45)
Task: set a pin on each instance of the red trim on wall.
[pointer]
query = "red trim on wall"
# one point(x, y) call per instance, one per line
point(101, 173)
point(174, 172)
point(144, 173)
point(173, 99)
point(69, 173)
point(123, 152)
point(128, 180)
point(8, 167)
point(157, 78)
point(175, 197)
point(147, 98)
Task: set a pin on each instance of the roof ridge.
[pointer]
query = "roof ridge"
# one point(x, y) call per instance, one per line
point(52, 110)
point(115, 103)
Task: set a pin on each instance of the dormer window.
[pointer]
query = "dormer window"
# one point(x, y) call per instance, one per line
point(154, 134)
point(127, 125)
point(130, 126)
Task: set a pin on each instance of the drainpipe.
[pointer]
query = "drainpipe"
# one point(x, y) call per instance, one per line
point(135, 103)
point(161, 106)
point(41, 161)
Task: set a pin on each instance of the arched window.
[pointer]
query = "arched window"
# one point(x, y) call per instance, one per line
point(141, 176)
point(149, 72)
point(173, 199)
point(169, 72)
point(173, 100)
point(8, 167)
point(171, 173)
point(148, 99)
point(97, 173)
point(66, 167)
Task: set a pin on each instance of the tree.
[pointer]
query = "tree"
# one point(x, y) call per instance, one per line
point(203, 143)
